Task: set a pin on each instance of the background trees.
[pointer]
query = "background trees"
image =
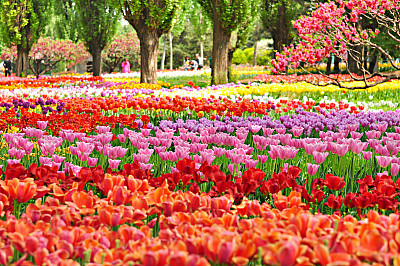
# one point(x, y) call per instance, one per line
point(97, 25)
point(151, 19)
point(21, 24)
point(123, 46)
point(226, 17)
point(48, 52)
point(346, 29)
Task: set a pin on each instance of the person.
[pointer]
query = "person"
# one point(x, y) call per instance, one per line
point(7, 66)
point(199, 61)
point(126, 66)
point(186, 63)
point(194, 65)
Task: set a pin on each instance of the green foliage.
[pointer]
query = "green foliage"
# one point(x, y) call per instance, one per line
point(155, 15)
point(246, 56)
point(63, 24)
point(22, 22)
point(201, 23)
point(97, 21)
point(187, 43)
point(233, 14)
point(239, 57)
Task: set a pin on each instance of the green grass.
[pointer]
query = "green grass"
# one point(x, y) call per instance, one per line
point(201, 81)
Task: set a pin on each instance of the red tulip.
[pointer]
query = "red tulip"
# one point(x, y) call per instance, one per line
point(334, 202)
point(334, 182)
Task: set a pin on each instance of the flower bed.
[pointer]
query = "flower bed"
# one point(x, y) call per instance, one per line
point(106, 174)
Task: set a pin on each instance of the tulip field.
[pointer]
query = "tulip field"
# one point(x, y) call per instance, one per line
point(108, 171)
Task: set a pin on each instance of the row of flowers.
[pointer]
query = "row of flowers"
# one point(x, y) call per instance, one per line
point(124, 219)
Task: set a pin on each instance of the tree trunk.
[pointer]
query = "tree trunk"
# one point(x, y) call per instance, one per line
point(355, 55)
point(163, 53)
point(202, 49)
point(373, 62)
point(255, 54)
point(355, 61)
point(201, 38)
point(231, 50)
point(221, 41)
point(281, 30)
point(329, 65)
point(96, 54)
point(171, 54)
point(148, 52)
point(336, 66)
point(22, 64)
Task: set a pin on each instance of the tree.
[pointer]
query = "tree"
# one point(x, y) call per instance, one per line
point(151, 19)
point(62, 24)
point(242, 34)
point(97, 26)
point(21, 24)
point(123, 46)
point(47, 53)
point(334, 28)
point(227, 16)
point(277, 16)
point(201, 24)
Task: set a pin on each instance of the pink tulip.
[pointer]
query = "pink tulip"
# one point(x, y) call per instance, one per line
point(353, 127)
point(382, 127)
point(250, 163)
point(367, 155)
point(319, 157)
point(48, 148)
point(58, 159)
point(104, 138)
point(92, 161)
point(268, 131)
point(42, 124)
point(74, 150)
point(262, 158)
point(394, 169)
point(356, 135)
point(383, 161)
point(218, 151)
point(103, 129)
point(255, 128)
point(341, 149)
point(113, 163)
point(44, 160)
point(145, 132)
point(122, 138)
point(297, 131)
point(15, 161)
point(281, 130)
point(312, 168)
point(146, 166)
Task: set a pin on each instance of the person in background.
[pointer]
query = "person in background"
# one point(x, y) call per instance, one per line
point(199, 61)
point(126, 66)
point(186, 63)
point(194, 65)
point(7, 66)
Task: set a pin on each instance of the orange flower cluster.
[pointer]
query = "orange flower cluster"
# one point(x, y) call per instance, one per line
point(179, 104)
point(49, 82)
point(124, 219)
point(79, 122)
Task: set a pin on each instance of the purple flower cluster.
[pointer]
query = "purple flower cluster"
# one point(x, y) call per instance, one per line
point(307, 120)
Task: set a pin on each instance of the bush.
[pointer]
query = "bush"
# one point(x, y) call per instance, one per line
point(239, 57)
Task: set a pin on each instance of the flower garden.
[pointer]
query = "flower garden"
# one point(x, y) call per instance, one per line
point(108, 171)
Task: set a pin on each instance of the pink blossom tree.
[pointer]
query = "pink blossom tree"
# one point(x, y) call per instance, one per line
point(341, 28)
point(123, 46)
point(47, 53)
